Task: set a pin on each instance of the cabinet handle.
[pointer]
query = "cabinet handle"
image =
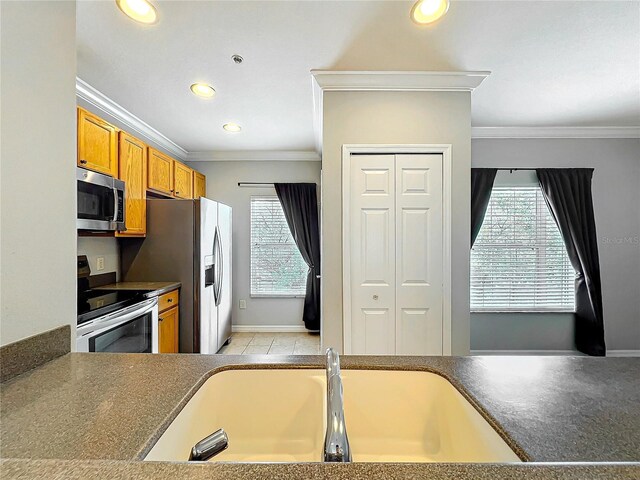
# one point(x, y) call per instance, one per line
point(83, 161)
point(169, 300)
point(160, 319)
point(177, 193)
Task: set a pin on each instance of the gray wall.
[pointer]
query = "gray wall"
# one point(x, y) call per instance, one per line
point(395, 118)
point(616, 198)
point(222, 185)
point(38, 203)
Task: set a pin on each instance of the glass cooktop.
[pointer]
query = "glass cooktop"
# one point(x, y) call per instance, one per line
point(95, 303)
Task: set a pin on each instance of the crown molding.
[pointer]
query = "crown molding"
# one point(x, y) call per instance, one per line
point(254, 156)
point(420, 81)
point(138, 127)
point(389, 81)
point(555, 132)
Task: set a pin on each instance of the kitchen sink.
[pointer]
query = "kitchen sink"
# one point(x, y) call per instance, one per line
point(278, 415)
point(269, 416)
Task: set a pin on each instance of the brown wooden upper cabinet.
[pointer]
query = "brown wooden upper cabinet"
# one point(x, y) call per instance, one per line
point(182, 181)
point(160, 172)
point(199, 185)
point(97, 144)
point(132, 155)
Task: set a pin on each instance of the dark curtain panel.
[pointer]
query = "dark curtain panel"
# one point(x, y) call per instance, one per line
point(481, 185)
point(567, 192)
point(300, 205)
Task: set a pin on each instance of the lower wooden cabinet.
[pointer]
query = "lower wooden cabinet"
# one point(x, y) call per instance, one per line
point(168, 323)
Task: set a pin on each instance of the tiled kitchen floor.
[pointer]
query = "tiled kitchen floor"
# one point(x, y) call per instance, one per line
point(272, 344)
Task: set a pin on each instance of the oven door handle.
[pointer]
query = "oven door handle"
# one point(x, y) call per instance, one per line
point(114, 319)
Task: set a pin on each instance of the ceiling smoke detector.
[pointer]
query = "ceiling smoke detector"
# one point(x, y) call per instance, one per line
point(237, 59)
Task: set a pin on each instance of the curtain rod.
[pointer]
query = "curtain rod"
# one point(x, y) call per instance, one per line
point(516, 169)
point(255, 185)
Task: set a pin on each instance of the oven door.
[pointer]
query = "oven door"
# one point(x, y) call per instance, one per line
point(100, 201)
point(131, 330)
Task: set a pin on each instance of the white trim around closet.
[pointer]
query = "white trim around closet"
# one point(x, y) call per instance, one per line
point(445, 151)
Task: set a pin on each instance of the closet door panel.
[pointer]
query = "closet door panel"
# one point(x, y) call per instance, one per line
point(419, 249)
point(372, 245)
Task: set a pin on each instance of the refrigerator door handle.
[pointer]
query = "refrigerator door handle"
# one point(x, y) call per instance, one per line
point(216, 240)
point(220, 267)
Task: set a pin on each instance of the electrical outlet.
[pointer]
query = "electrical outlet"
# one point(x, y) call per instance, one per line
point(100, 263)
point(243, 304)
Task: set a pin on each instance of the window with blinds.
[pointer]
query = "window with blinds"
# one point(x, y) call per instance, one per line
point(277, 268)
point(519, 261)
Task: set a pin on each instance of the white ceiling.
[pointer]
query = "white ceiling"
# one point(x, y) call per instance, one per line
point(553, 63)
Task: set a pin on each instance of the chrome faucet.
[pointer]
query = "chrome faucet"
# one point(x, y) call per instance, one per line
point(336, 443)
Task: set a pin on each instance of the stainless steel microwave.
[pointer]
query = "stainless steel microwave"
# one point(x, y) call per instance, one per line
point(100, 201)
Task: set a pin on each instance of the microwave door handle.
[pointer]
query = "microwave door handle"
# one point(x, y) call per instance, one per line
point(115, 204)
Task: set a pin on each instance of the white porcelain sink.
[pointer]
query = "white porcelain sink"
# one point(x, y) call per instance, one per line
point(279, 416)
point(269, 416)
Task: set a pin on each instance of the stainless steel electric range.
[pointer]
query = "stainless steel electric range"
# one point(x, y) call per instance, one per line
point(114, 320)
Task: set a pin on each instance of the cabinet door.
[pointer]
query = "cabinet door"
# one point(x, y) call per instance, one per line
point(97, 144)
point(168, 331)
point(199, 185)
point(132, 159)
point(160, 172)
point(182, 176)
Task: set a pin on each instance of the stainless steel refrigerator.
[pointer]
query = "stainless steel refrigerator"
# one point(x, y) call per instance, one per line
point(188, 241)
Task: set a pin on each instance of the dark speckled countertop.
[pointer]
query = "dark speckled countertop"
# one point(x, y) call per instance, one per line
point(152, 289)
point(84, 407)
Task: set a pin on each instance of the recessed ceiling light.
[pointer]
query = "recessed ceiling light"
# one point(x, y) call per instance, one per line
point(203, 90)
point(237, 59)
point(232, 127)
point(140, 10)
point(428, 11)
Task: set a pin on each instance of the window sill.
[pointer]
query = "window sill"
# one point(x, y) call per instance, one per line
point(273, 295)
point(523, 311)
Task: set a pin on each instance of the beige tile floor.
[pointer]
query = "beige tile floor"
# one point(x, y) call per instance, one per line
point(272, 344)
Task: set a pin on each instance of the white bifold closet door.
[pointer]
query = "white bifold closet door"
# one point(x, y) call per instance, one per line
point(396, 249)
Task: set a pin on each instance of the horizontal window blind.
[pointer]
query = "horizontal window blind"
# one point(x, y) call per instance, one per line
point(277, 268)
point(519, 261)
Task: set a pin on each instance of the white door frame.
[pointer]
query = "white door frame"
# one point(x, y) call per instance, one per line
point(445, 151)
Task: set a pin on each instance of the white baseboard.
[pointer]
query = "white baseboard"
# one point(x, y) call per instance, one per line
point(623, 353)
point(610, 353)
point(525, 352)
point(269, 328)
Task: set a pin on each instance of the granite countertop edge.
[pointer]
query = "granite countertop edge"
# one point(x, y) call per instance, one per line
point(129, 470)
